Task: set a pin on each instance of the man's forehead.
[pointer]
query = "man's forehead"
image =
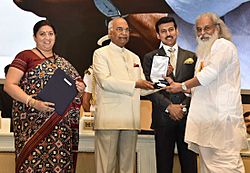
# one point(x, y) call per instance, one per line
point(120, 22)
point(203, 21)
point(167, 25)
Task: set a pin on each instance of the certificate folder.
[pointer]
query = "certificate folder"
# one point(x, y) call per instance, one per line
point(60, 89)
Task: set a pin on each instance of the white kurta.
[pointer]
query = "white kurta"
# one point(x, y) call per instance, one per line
point(215, 114)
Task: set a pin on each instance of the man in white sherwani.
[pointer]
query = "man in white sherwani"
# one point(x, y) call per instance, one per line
point(119, 78)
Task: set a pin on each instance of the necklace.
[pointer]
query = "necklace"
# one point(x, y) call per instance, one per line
point(42, 53)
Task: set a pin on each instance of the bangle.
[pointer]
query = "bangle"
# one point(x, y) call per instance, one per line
point(32, 102)
point(80, 94)
point(28, 100)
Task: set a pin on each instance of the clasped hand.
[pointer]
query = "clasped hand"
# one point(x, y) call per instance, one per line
point(176, 111)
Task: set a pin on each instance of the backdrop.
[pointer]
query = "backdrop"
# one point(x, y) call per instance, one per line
point(80, 23)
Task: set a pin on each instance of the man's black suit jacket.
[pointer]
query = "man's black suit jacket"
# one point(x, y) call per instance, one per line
point(161, 100)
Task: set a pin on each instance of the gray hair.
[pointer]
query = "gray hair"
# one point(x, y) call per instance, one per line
point(224, 31)
point(110, 25)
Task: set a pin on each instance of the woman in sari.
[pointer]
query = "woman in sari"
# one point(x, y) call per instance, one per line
point(44, 140)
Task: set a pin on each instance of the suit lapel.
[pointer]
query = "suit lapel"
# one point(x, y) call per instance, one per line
point(161, 52)
point(180, 61)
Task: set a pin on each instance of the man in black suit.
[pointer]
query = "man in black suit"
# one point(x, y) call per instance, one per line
point(170, 110)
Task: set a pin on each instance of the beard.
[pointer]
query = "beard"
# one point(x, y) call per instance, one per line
point(204, 45)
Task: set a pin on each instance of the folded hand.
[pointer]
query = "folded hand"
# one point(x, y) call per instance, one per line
point(176, 111)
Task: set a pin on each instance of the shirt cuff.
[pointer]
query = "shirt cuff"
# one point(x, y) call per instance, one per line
point(166, 110)
point(188, 95)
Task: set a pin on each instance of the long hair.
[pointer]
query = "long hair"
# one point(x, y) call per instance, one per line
point(224, 31)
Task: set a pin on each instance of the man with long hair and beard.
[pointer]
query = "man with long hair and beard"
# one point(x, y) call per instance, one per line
point(215, 127)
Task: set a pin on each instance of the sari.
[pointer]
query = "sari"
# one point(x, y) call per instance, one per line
point(44, 142)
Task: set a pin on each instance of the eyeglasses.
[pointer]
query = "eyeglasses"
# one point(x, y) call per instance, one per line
point(206, 29)
point(121, 29)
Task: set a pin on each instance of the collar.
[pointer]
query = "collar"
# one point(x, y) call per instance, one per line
point(116, 48)
point(166, 47)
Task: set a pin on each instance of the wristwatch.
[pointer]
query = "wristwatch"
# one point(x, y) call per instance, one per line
point(183, 86)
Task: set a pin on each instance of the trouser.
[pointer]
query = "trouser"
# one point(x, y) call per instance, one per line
point(220, 161)
point(115, 146)
point(165, 139)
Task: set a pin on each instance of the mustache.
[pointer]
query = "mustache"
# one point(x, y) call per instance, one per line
point(204, 36)
point(124, 37)
point(169, 37)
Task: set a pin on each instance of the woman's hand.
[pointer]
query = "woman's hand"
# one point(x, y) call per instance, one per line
point(42, 106)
